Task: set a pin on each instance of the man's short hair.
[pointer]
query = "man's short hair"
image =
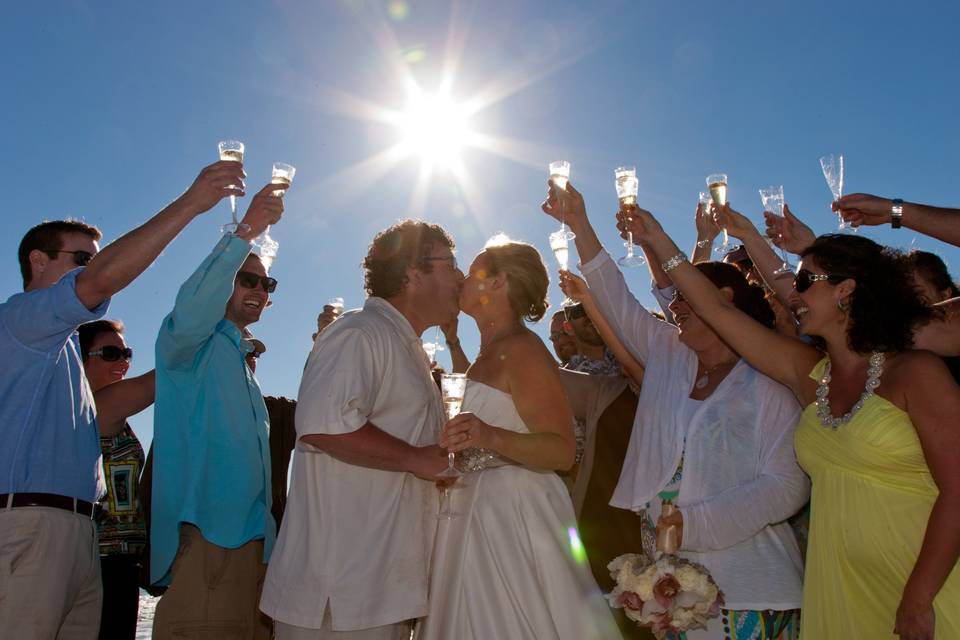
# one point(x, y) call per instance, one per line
point(396, 249)
point(48, 237)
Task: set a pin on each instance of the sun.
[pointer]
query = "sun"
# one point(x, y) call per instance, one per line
point(433, 127)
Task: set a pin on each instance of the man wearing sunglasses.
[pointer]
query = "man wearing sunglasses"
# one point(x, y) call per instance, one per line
point(211, 459)
point(49, 441)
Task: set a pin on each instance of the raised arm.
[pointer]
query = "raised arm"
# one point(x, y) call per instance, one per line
point(118, 401)
point(534, 383)
point(786, 360)
point(937, 222)
point(200, 303)
point(127, 257)
point(764, 258)
point(707, 230)
point(628, 319)
point(576, 289)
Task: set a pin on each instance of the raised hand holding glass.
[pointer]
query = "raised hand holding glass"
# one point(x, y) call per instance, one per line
point(625, 180)
point(232, 151)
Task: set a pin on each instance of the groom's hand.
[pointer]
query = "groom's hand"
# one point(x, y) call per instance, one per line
point(428, 462)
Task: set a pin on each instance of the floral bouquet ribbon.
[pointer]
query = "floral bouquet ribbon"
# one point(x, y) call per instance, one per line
point(666, 593)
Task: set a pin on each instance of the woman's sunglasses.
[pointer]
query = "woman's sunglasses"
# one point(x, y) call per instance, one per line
point(805, 279)
point(111, 353)
point(250, 280)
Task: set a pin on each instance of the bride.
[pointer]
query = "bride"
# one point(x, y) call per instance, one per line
point(509, 563)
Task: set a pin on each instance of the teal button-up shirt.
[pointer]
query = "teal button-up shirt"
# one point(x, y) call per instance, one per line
point(211, 452)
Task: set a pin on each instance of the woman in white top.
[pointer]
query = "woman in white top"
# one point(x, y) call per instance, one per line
point(712, 434)
point(509, 565)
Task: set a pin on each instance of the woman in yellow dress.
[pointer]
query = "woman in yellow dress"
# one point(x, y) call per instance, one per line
point(879, 437)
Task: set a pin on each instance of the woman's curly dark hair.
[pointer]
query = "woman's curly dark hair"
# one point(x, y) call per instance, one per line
point(930, 267)
point(749, 298)
point(406, 244)
point(885, 307)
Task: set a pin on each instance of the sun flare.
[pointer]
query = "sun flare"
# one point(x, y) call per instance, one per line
point(434, 127)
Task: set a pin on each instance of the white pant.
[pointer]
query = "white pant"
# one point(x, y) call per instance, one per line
point(49, 575)
point(396, 631)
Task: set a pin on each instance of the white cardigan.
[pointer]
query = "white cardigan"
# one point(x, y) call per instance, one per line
point(740, 476)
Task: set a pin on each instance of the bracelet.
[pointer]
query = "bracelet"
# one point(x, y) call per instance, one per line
point(453, 343)
point(674, 262)
point(703, 244)
point(896, 214)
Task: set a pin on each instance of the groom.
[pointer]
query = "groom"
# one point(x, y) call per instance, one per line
point(352, 558)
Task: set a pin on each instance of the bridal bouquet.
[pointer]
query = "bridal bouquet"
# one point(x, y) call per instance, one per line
point(665, 593)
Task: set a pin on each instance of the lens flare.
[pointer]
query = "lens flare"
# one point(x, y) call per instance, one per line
point(576, 546)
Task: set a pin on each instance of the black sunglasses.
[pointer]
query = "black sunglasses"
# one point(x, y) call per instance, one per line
point(805, 279)
point(250, 280)
point(111, 353)
point(80, 258)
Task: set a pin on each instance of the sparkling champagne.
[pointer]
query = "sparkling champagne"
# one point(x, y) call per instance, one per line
point(452, 406)
point(559, 181)
point(563, 256)
point(718, 191)
point(284, 180)
point(233, 155)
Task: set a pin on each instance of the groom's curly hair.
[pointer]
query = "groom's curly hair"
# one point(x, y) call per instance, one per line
point(406, 244)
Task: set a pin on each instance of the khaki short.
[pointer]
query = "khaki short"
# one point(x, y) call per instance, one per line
point(214, 592)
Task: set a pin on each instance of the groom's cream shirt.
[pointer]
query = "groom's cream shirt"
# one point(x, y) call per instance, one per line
point(357, 538)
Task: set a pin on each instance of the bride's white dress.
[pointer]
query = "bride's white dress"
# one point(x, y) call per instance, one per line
point(509, 565)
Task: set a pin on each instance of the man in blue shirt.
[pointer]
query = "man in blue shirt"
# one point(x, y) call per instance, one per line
point(49, 442)
point(211, 526)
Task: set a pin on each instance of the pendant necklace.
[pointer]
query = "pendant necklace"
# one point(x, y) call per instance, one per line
point(704, 379)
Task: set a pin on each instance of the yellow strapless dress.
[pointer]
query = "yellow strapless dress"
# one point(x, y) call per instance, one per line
point(871, 498)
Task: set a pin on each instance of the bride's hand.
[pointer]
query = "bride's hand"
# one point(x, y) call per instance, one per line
point(465, 431)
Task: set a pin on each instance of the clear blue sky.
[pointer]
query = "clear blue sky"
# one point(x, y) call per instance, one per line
point(111, 108)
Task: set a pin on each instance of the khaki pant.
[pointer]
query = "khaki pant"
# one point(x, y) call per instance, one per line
point(49, 575)
point(214, 592)
point(396, 631)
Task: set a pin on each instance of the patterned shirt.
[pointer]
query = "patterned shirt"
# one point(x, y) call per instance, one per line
point(606, 366)
point(120, 524)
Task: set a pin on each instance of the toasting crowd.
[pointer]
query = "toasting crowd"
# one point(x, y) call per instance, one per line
point(793, 429)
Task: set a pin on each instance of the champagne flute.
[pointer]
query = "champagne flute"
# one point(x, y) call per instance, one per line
point(625, 180)
point(717, 185)
point(232, 151)
point(832, 167)
point(561, 251)
point(453, 387)
point(772, 199)
point(265, 246)
point(559, 176)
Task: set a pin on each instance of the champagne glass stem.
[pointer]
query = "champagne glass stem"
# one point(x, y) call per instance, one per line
point(233, 209)
point(629, 244)
point(451, 456)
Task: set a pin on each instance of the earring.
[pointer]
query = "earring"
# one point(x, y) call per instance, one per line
point(843, 306)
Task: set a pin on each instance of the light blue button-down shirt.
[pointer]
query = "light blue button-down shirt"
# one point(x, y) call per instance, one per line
point(49, 441)
point(211, 453)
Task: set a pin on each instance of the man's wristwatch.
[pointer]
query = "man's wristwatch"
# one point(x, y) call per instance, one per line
point(896, 214)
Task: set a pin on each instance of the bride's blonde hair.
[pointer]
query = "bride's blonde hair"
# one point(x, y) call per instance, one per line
point(527, 278)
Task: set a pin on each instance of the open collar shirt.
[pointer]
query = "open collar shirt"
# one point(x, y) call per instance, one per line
point(212, 456)
point(49, 440)
point(355, 537)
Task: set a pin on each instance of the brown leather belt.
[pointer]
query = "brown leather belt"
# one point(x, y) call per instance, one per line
point(14, 500)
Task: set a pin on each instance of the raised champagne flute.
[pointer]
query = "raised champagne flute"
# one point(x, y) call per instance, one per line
point(772, 199)
point(625, 180)
point(453, 387)
point(832, 167)
point(717, 185)
point(265, 246)
point(232, 151)
point(559, 176)
point(336, 304)
point(560, 246)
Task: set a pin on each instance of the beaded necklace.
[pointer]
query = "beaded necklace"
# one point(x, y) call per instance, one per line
point(823, 393)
